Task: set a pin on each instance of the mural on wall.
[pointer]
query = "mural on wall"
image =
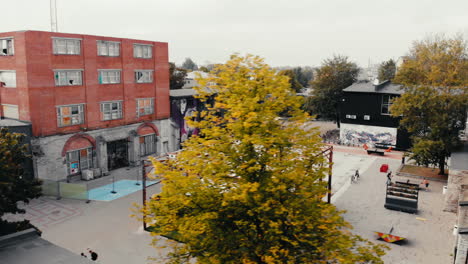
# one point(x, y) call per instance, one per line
point(180, 109)
point(360, 134)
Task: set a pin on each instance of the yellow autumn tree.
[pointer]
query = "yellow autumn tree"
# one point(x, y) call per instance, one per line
point(249, 188)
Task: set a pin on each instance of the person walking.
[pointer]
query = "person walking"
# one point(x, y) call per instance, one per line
point(356, 174)
point(389, 177)
point(425, 182)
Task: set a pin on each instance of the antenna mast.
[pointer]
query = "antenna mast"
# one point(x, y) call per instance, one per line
point(53, 16)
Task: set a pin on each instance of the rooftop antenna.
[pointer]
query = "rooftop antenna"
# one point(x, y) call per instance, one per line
point(53, 16)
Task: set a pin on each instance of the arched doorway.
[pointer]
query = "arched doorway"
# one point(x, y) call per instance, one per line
point(79, 153)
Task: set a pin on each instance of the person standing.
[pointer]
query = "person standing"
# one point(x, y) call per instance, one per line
point(389, 177)
point(425, 182)
point(94, 255)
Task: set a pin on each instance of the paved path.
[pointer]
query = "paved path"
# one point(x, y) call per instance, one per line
point(430, 239)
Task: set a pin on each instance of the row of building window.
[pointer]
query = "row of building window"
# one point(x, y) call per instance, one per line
point(70, 115)
point(74, 77)
point(104, 48)
point(70, 46)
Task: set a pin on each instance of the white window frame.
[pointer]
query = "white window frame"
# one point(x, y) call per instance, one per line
point(366, 117)
point(109, 76)
point(7, 46)
point(108, 48)
point(386, 104)
point(66, 46)
point(148, 144)
point(143, 51)
point(67, 78)
point(351, 116)
point(11, 106)
point(84, 163)
point(8, 84)
point(75, 118)
point(143, 110)
point(114, 110)
point(143, 76)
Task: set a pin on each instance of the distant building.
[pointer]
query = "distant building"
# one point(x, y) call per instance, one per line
point(365, 115)
point(190, 80)
point(94, 103)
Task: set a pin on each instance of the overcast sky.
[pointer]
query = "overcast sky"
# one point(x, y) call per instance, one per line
point(284, 32)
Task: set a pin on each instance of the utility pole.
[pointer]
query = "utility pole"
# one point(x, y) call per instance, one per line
point(53, 16)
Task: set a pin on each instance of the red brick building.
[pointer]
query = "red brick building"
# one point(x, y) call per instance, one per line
point(95, 103)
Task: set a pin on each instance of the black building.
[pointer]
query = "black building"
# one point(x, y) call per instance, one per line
point(365, 116)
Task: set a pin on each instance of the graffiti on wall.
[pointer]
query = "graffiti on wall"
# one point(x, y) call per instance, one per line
point(182, 109)
point(360, 134)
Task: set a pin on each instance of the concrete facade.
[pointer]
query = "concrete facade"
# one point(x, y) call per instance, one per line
point(51, 163)
point(456, 179)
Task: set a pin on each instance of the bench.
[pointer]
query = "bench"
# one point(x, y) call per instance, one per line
point(404, 205)
point(375, 151)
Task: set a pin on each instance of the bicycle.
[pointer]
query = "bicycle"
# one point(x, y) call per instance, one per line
point(354, 179)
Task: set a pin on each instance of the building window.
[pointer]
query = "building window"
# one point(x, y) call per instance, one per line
point(147, 145)
point(70, 115)
point(366, 117)
point(67, 46)
point(111, 110)
point(387, 101)
point(144, 76)
point(109, 76)
point(108, 48)
point(351, 116)
point(145, 106)
point(7, 47)
point(10, 111)
point(8, 79)
point(68, 77)
point(142, 51)
point(79, 160)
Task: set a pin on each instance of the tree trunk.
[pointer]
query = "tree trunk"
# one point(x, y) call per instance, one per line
point(442, 165)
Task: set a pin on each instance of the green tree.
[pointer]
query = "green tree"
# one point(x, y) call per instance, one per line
point(295, 85)
point(189, 65)
point(204, 69)
point(433, 107)
point(14, 187)
point(304, 75)
point(387, 70)
point(330, 79)
point(250, 189)
point(176, 76)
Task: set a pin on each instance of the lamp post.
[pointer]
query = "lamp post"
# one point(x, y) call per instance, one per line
point(113, 184)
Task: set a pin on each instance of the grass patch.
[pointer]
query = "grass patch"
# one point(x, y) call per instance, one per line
point(423, 171)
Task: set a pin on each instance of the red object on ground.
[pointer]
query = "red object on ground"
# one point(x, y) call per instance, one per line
point(389, 238)
point(384, 168)
point(389, 149)
point(365, 146)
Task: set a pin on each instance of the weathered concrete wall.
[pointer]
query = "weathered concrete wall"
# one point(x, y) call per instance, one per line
point(462, 246)
point(456, 179)
point(51, 165)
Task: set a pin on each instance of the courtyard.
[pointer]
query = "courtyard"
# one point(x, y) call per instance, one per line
point(107, 228)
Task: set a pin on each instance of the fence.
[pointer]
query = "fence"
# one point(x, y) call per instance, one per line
point(80, 189)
